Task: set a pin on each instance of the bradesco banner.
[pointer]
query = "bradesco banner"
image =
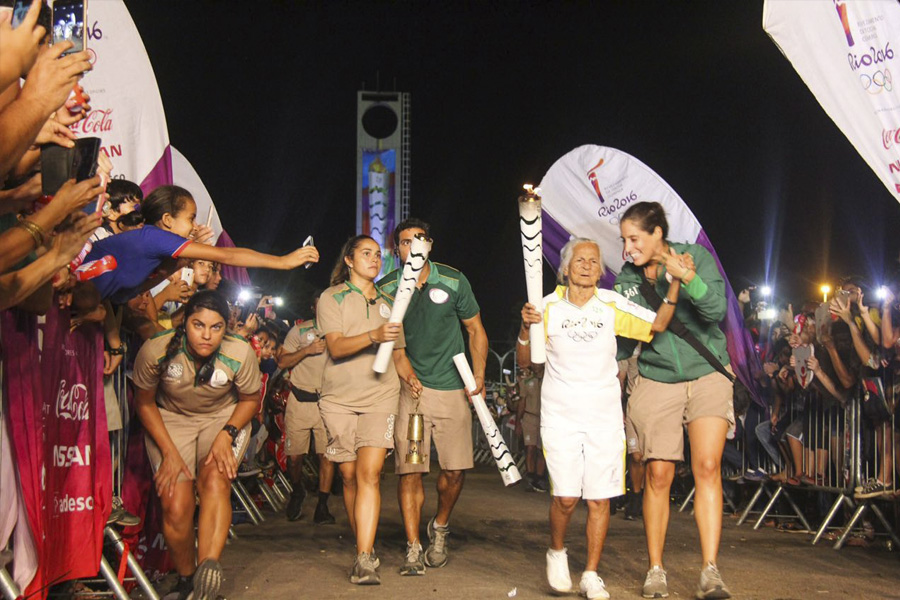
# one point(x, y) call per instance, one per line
point(55, 407)
point(126, 109)
point(845, 53)
point(584, 195)
point(77, 491)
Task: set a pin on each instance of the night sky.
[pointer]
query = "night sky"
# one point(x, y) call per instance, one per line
point(261, 98)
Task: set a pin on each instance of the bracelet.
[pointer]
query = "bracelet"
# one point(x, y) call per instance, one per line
point(36, 231)
point(120, 351)
point(523, 342)
point(669, 302)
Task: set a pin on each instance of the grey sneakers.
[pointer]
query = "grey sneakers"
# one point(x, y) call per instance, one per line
point(711, 585)
point(207, 580)
point(413, 564)
point(655, 585)
point(363, 572)
point(436, 555)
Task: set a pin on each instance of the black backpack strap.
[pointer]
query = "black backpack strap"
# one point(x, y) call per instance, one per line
point(678, 328)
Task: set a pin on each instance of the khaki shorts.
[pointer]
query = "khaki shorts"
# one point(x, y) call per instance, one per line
point(350, 431)
point(302, 421)
point(631, 438)
point(531, 429)
point(448, 421)
point(193, 436)
point(658, 412)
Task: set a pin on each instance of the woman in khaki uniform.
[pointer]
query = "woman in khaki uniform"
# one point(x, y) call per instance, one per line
point(197, 388)
point(358, 405)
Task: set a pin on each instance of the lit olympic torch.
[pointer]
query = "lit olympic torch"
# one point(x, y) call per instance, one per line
point(530, 223)
point(415, 262)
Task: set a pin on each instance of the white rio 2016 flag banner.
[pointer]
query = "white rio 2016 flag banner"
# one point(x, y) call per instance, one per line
point(585, 193)
point(126, 109)
point(845, 53)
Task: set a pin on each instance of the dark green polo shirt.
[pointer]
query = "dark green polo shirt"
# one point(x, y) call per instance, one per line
point(432, 323)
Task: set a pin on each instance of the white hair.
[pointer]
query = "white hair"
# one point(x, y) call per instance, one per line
point(565, 257)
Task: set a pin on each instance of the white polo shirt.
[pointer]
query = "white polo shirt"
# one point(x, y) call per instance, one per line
point(580, 391)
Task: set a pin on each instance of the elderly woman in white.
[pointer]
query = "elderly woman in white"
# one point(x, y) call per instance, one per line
point(581, 410)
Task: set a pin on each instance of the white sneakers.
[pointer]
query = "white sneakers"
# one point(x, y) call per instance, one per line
point(561, 581)
point(592, 586)
point(558, 570)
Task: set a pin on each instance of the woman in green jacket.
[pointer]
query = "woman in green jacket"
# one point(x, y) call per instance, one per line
point(677, 386)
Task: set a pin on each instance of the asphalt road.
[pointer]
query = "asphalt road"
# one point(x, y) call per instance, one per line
point(497, 544)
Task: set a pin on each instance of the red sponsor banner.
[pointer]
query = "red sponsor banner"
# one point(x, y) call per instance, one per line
point(58, 419)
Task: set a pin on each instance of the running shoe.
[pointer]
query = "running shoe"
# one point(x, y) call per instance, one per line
point(538, 484)
point(295, 504)
point(711, 585)
point(870, 489)
point(634, 506)
point(414, 564)
point(755, 475)
point(592, 586)
point(558, 575)
point(363, 572)
point(655, 585)
point(207, 580)
point(182, 589)
point(322, 515)
point(436, 555)
point(119, 516)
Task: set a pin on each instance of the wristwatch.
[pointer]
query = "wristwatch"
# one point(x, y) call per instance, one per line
point(233, 432)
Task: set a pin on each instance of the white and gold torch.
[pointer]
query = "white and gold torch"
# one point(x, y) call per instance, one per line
point(499, 451)
point(412, 268)
point(530, 224)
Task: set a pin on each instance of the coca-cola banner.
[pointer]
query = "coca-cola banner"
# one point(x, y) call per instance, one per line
point(844, 52)
point(77, 492)
point(585, 193)
point(55, 407)
point(127, 111)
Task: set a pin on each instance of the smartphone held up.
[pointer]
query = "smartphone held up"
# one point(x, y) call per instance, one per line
point(68, 24)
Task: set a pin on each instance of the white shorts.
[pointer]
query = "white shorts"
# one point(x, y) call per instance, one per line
point(589, 465)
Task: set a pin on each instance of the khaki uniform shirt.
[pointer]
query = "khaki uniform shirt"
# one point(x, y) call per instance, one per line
point(236, 371)
point(350, 382)
point(306, 374)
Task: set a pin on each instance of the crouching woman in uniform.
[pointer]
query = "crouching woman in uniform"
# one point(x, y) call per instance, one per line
point(197, 388)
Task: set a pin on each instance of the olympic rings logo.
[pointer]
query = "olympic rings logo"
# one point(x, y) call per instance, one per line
point(583, 336)
point(876, 83)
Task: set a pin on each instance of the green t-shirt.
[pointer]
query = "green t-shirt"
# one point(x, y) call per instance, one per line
point(432, 323)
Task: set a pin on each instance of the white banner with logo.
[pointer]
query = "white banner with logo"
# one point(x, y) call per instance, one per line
point(585, 193)
point(845, 53)
point(603, 182)
point(126, 109)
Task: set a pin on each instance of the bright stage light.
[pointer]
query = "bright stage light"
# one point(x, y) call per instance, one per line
point(244, 295)
point(279, 301)
point(765, 291)
point(881, 294)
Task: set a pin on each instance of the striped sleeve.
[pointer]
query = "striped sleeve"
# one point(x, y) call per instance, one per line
point(632, 321)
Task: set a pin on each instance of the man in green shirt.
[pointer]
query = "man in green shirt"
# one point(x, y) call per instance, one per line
point(442, 299)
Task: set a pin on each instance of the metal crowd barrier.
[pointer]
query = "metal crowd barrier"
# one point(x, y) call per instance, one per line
point(836, 449)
